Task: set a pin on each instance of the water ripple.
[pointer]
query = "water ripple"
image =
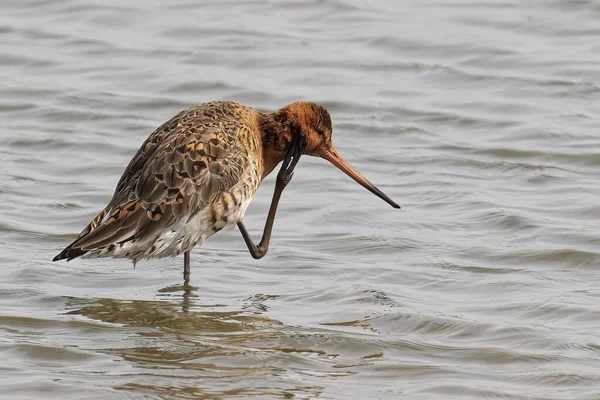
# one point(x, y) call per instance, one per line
point(479, 118)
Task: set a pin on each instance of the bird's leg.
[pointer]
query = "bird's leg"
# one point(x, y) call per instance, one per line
point(283, 178)
point(186, 268)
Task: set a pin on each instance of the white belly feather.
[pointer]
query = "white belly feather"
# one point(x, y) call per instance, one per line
point(182, 236)
point(187, 233)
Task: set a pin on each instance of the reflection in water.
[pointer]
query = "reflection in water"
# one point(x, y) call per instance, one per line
point(183, 344)
point(188, 294)
point(484, 124)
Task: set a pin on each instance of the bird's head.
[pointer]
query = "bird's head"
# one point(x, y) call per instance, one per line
point(313, 123)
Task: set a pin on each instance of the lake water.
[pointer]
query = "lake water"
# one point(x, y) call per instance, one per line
point(481, 118)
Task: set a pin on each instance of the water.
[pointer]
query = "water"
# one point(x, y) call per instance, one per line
point(479, 118)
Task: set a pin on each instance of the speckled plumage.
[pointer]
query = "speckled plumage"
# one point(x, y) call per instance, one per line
point(197, 173)
point(193, 176)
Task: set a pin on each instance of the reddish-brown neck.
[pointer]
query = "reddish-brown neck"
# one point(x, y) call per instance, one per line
point(277, 132)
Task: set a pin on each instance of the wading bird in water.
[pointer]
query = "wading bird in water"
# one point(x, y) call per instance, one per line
point(197, 173)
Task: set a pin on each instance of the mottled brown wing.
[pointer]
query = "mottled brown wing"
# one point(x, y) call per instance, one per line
point(185, 164)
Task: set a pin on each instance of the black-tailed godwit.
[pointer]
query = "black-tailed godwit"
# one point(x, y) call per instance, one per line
point(197, 173)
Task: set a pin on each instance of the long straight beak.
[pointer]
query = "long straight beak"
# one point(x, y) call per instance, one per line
point(336, 159)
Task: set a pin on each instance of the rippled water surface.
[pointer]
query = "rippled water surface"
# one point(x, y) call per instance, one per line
point(482, 119)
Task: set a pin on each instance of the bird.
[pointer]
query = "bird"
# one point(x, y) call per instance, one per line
point(197, 173)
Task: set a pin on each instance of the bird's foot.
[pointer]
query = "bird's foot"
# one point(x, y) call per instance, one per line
point(291, 159)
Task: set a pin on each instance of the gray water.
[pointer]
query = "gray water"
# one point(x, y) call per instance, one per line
point(480, 118)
